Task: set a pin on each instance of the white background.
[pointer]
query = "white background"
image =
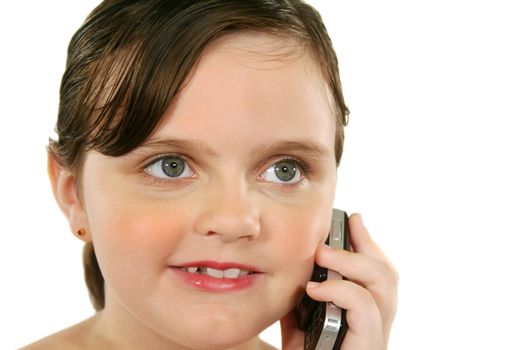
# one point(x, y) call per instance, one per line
point(434, 160)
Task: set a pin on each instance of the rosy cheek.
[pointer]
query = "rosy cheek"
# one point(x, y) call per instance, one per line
point(296, 237)
point(139, 233)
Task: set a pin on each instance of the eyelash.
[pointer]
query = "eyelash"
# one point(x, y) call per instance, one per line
point(304, 168)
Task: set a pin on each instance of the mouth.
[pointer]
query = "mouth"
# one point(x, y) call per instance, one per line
point(217, 273)
point(216, 276)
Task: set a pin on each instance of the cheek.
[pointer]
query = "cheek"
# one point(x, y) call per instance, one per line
point(141, 233)
point(296, 234)
point(302, 226)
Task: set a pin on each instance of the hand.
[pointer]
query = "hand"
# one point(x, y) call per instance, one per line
point(369, 293)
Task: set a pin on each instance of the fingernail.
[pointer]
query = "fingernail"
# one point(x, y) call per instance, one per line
point(312, 285)
point(360, 217)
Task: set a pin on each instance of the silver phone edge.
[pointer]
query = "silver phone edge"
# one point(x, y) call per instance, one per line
point(333, 318)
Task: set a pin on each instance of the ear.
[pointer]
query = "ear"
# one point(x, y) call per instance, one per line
point(63, 184)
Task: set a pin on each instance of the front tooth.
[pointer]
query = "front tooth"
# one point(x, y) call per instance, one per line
point(213, 272)
point(192, 269)
point(232, 273)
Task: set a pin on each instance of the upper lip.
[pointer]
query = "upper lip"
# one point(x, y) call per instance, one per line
point(219, 265)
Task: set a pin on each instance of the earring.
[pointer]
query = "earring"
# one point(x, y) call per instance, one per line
point(81, 232)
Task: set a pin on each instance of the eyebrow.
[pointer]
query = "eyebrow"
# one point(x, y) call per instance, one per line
point(311, 148)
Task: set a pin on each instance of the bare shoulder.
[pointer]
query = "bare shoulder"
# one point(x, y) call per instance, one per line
point(72, 338)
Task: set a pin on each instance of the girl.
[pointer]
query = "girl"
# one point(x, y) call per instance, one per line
point(198, 143)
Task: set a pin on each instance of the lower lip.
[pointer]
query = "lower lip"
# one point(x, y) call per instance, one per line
point(211, 284)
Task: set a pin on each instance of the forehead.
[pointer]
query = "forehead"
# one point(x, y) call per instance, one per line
point(253, 86)
point(259, 50)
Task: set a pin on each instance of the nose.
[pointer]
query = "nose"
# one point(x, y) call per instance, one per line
point(229, 211)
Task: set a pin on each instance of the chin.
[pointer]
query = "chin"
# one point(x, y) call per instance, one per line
point(216, 339)
point(219, 330)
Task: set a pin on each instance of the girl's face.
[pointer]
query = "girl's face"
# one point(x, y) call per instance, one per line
point(239, 178)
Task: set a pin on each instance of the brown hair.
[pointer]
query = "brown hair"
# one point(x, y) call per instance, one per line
point(131, 57)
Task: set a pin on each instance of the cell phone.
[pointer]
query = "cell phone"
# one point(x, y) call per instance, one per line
point(325, 324)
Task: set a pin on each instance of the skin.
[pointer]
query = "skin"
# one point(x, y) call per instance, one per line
point(227, 206)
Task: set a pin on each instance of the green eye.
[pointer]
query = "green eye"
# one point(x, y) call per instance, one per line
point(285, 171)
point(169, 167)
point(172, 166)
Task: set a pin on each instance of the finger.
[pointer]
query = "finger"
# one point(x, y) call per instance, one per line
point(357, 267)
point(363, 315)
point(378, 278)
point(361, 241)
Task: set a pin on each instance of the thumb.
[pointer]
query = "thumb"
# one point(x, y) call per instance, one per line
point(291, 337)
